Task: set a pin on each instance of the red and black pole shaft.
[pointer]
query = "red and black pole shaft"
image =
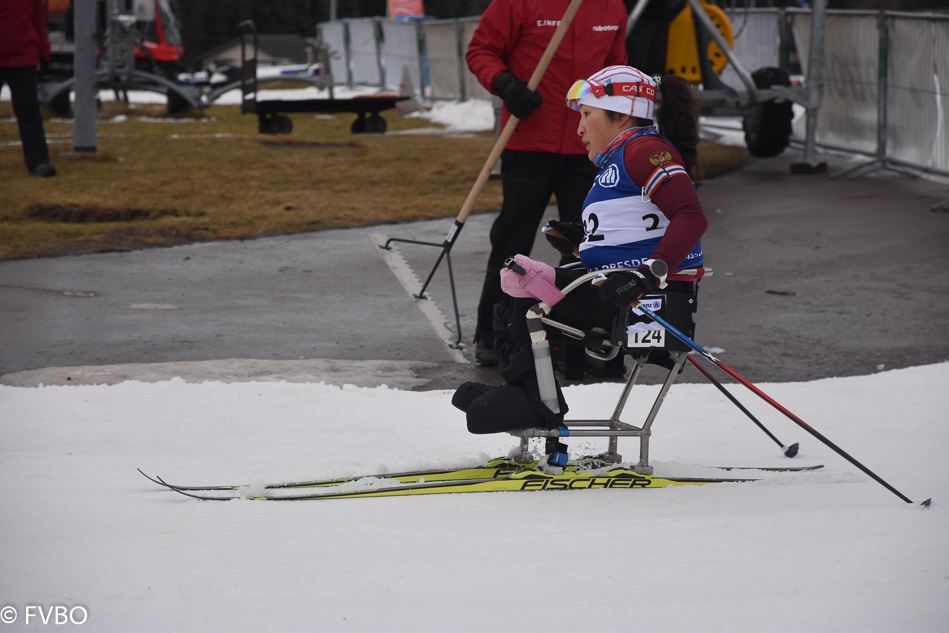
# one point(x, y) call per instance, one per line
point(804, 425)
point(789, 451)
point(801, 423)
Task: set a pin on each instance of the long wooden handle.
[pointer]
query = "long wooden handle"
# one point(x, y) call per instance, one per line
point(513, 120)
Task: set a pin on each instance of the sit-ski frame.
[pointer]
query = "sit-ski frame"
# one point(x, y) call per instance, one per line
point(613, 428)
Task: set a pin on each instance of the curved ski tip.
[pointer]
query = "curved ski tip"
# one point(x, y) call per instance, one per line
point(151, 479)
point(926, 503)
point(791, 451)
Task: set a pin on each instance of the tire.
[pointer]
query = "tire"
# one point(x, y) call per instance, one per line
point(281, 124)
point(60, 104)
point(177, 103)
point(768, 126)
point(375, 124)
point(263, 124)
point(359, 126)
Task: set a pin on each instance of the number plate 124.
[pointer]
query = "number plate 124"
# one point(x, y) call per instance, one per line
point(647, 338)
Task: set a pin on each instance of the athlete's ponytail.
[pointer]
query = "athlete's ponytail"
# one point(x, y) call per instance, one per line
point(677, 119)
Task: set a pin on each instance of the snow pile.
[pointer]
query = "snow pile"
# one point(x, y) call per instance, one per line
point(828, 550)
point(473, 115)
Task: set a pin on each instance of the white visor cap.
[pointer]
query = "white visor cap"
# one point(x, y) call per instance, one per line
point(639, 102)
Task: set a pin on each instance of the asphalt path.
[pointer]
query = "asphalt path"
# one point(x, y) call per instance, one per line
point(813, 277)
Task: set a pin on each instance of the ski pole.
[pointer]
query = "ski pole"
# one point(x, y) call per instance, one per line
point(789, 451)
point(801, 423)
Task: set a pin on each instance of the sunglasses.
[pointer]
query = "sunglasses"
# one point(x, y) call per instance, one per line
point(583, 88)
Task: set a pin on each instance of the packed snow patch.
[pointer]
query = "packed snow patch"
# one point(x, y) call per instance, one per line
point(473, 115)
point(828, 550)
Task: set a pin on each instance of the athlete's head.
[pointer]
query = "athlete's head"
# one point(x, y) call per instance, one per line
point(611, 101)
point(621, 89)
point(620, 97)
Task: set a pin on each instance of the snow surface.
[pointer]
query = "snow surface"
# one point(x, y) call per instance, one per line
point(829, 550)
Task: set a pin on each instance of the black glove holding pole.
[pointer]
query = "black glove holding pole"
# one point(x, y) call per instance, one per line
point(626, 287)
point(564, 236)
point(520, 101)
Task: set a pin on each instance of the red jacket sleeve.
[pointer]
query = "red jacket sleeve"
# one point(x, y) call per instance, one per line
point(492, 42)
point(676, 197)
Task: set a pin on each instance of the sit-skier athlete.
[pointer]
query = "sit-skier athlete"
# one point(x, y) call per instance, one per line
point(642, 213)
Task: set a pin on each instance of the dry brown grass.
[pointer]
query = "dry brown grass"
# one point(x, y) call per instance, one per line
point(214, 178)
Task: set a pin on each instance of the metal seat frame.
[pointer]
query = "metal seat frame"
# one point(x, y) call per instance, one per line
point(612, 427)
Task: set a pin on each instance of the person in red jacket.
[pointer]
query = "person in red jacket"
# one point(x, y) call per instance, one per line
point(544, 156)
point(24, 44)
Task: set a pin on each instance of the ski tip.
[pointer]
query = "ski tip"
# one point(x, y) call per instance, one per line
point(791, 451)
point(926, 503)
point(151, 479)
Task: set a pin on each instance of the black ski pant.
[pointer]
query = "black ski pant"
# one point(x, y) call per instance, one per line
point(528, 181)
point(26, 107)
point(516, 404)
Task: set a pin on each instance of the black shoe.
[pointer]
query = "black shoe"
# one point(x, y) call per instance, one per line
point(43, 170)
point(484, 355)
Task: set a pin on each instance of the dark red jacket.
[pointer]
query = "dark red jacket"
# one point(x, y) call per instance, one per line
point(23, 39)
point(513, 35)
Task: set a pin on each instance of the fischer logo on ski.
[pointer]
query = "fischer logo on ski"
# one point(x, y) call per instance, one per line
point(624, 480)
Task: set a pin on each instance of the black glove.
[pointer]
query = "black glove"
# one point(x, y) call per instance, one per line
point(572, 232)
point(624, 288)
point(43, 69)
point(520, 101)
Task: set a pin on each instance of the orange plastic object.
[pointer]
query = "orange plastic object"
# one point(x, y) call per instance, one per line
point(682, 56)
point(56, 7)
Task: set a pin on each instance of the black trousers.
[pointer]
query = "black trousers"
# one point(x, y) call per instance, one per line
point(26, 107)
point(528, 181)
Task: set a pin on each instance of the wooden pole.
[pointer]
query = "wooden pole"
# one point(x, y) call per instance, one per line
point(512, 122)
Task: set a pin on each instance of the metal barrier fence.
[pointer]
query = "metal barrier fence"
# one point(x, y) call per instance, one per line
point(886, 74)
point(374, 51)
point(917, 95)
point(886, 80)
point(757, 44)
